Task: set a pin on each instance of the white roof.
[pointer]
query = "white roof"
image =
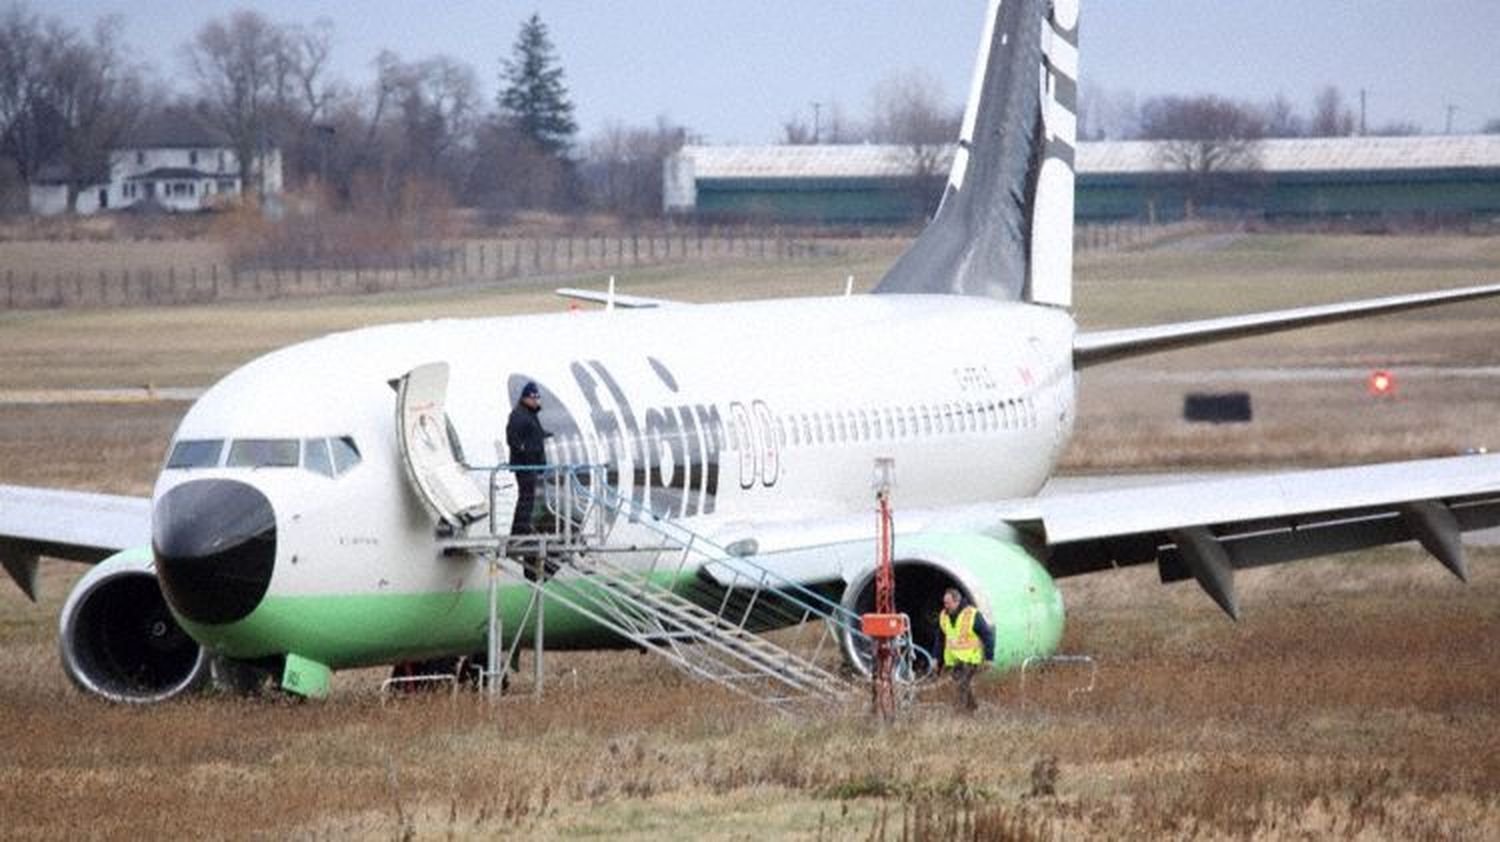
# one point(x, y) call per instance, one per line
point(1280, 155)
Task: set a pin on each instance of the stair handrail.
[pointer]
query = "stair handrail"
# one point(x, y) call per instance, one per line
point(796, 593)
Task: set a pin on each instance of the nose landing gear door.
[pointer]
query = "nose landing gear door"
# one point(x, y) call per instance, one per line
point(427, 452)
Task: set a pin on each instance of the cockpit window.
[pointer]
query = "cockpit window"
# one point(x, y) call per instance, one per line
point(315, 457)
point(198, 453)
point(345, 453)
point(264, 453)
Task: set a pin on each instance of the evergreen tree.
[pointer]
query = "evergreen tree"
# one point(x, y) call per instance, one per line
point(532, 93)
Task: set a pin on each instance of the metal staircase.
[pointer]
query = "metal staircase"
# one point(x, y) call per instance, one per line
point(674, 593)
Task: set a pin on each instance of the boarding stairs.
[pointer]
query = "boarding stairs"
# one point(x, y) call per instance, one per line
point(675, 593)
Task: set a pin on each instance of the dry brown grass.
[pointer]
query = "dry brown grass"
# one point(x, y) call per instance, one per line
point(1359, 697)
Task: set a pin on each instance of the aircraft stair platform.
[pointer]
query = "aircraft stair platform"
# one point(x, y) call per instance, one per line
point(716, 616)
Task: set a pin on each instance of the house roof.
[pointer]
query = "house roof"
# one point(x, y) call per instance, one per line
point(173, 128)
point(177, 173)
point(1106, 157)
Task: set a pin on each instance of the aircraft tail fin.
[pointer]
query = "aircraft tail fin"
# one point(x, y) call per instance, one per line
point(1004, 228)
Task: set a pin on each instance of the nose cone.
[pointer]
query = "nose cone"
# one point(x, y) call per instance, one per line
point(215, 546)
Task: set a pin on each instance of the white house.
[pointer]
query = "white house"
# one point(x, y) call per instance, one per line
point(172, 162)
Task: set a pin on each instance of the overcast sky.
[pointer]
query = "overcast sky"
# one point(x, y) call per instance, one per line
point(734, 71)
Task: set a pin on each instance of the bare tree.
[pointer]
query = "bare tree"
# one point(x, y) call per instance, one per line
point(96, 95)
point(1403, 128)
point(242, 70)
point(27, 48)
point(622, 167)
point(1492, 127)
point(1210, 143)
point(1331, 117)
point(796, 132)
point(1106, 114)
point(1280, 118)
point(909, 110)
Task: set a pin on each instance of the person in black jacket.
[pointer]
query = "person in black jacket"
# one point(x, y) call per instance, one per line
point(527, 442)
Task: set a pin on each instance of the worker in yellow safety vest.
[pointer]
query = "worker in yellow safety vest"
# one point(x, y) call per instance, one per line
point(967, 643)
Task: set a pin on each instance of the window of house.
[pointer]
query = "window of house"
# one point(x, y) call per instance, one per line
point(226, 185)
point(140, 159)
point(192, 157)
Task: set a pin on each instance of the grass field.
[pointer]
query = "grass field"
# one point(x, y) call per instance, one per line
point(1358, 698)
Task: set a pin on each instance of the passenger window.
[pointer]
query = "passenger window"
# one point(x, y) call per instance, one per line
point(843, 428)
point(345, 454)
point(264, 453)
point(315, 457)
point(200, 453)
point(864, 425)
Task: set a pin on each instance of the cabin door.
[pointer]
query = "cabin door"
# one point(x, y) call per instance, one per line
point(428, 454)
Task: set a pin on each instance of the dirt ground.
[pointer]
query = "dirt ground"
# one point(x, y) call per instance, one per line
point(1358, 698)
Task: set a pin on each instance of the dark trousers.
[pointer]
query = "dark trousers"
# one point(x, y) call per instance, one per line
point(521, 524)
point(963, 675)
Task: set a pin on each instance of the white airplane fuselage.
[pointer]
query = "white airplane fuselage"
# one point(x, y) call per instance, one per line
point(713, 415)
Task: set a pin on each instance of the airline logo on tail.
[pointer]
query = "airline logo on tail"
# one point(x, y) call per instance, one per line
point(1051, 279)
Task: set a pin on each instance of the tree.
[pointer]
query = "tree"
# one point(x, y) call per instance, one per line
point(1492, 127)
point(533, 95)
point(27, 48)
point(908, 110)
point(1331, 117)
point(1106, 114)
point(96, 96)
point(1209, 142)
point(623, 166)
point(242, 69)
point(1280, 118)
point(1400, 128)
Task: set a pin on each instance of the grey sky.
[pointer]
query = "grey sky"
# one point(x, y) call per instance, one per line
point(733, 71)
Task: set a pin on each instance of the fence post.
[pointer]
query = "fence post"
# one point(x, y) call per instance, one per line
point(10, 289)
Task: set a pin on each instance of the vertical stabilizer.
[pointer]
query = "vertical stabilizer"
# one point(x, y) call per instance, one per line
point(1005, 226)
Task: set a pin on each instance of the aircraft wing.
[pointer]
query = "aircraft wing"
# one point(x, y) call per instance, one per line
point(1102, 346)
point(73, 525)
point(626, 302)
point(1203, 529)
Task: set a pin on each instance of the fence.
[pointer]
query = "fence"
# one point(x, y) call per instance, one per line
point(451, 264)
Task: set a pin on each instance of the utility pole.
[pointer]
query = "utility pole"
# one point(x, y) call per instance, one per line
point(1362, 93)
point(817, 122)
point(1448, 126)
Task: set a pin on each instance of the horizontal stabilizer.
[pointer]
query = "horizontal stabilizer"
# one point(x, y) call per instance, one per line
point(1102, 346)
point(628, 302)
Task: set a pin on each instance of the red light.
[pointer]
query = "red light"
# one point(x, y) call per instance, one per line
point(1382, 383)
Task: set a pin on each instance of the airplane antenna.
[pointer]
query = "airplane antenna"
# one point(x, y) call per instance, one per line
point(849, 286)
point(609, 300)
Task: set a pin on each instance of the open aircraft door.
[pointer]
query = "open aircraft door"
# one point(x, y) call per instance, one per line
point(427, 451)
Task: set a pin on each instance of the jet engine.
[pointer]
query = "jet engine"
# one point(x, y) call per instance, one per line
point(1011, 589)
point(120, 641)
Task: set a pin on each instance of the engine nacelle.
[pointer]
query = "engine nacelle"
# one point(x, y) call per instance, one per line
point(1011, 589)
point(120, 641)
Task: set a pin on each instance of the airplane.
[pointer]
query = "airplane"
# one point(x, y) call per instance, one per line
point(293, 525)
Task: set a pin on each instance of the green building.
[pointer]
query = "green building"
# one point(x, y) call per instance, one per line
point(1444, 177)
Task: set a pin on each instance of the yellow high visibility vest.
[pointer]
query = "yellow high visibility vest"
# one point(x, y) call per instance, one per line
point(960, 644)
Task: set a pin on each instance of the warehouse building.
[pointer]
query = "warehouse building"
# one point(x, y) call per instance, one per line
point(1446, 177)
